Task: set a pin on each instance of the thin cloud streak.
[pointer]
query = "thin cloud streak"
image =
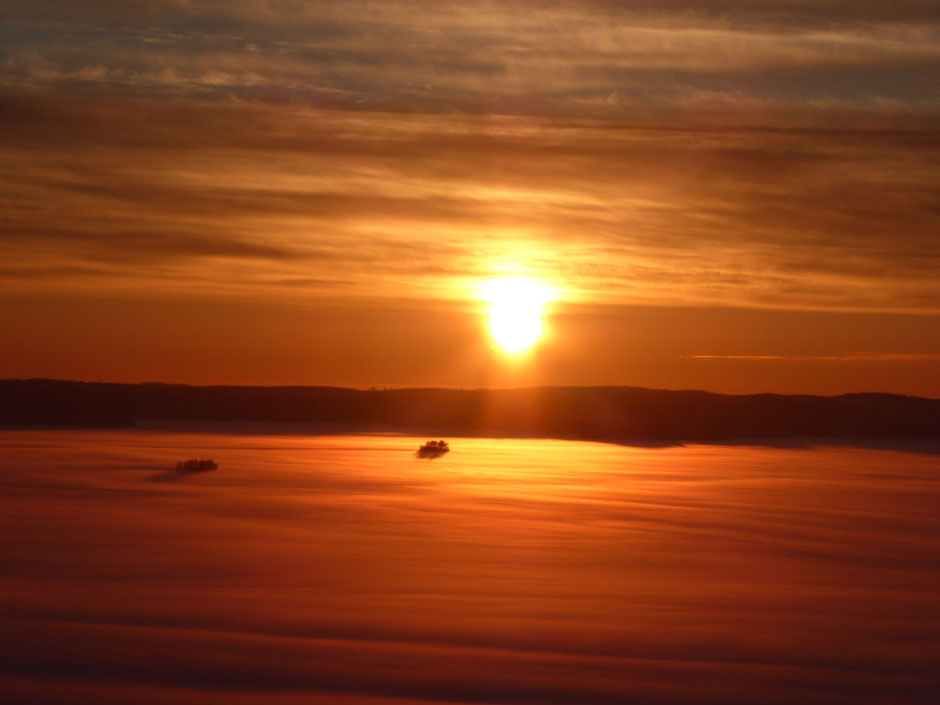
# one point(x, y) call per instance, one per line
point(849, 357)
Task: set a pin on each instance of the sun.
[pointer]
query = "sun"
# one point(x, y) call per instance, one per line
point(516, 305)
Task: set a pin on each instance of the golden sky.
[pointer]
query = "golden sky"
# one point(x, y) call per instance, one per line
point(727, 194)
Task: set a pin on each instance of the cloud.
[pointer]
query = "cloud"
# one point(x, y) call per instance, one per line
point(545, 59)
point(722, 152)
point(771, 216)
point(893, 357)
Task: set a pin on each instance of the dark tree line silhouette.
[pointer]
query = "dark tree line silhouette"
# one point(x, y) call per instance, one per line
point(595, 413)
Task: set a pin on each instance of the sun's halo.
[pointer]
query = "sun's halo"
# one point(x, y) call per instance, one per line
point(516, 305)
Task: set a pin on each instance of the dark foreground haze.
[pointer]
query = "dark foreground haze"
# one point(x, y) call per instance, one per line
point(343, 569)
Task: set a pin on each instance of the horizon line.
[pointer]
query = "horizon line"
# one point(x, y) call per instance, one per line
point(373, 388)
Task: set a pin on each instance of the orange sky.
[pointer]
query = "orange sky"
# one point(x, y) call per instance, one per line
point(726, 196)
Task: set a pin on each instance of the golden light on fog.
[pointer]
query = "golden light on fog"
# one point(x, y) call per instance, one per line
point(516, 307)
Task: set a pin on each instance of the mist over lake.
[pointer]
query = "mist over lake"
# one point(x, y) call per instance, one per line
point(344, 569)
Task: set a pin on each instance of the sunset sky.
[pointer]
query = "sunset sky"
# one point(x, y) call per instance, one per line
point(732, 195)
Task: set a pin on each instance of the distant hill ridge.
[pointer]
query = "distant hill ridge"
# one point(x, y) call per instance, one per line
point(599, 413)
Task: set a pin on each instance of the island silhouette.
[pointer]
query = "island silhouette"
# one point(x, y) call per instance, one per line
point(433, 449)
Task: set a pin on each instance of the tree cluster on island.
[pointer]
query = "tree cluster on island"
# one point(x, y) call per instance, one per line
point(196, 465)
point(433, 449)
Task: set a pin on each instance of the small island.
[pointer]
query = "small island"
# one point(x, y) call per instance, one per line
point(196, 465)
point(433, 449)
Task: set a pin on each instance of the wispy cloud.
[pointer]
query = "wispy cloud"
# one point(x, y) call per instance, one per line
point(849, 357)
point(814, 218)
point(723, 152)
point(540, 58)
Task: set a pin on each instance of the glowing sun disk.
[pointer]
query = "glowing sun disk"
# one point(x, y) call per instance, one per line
point(515, 311)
